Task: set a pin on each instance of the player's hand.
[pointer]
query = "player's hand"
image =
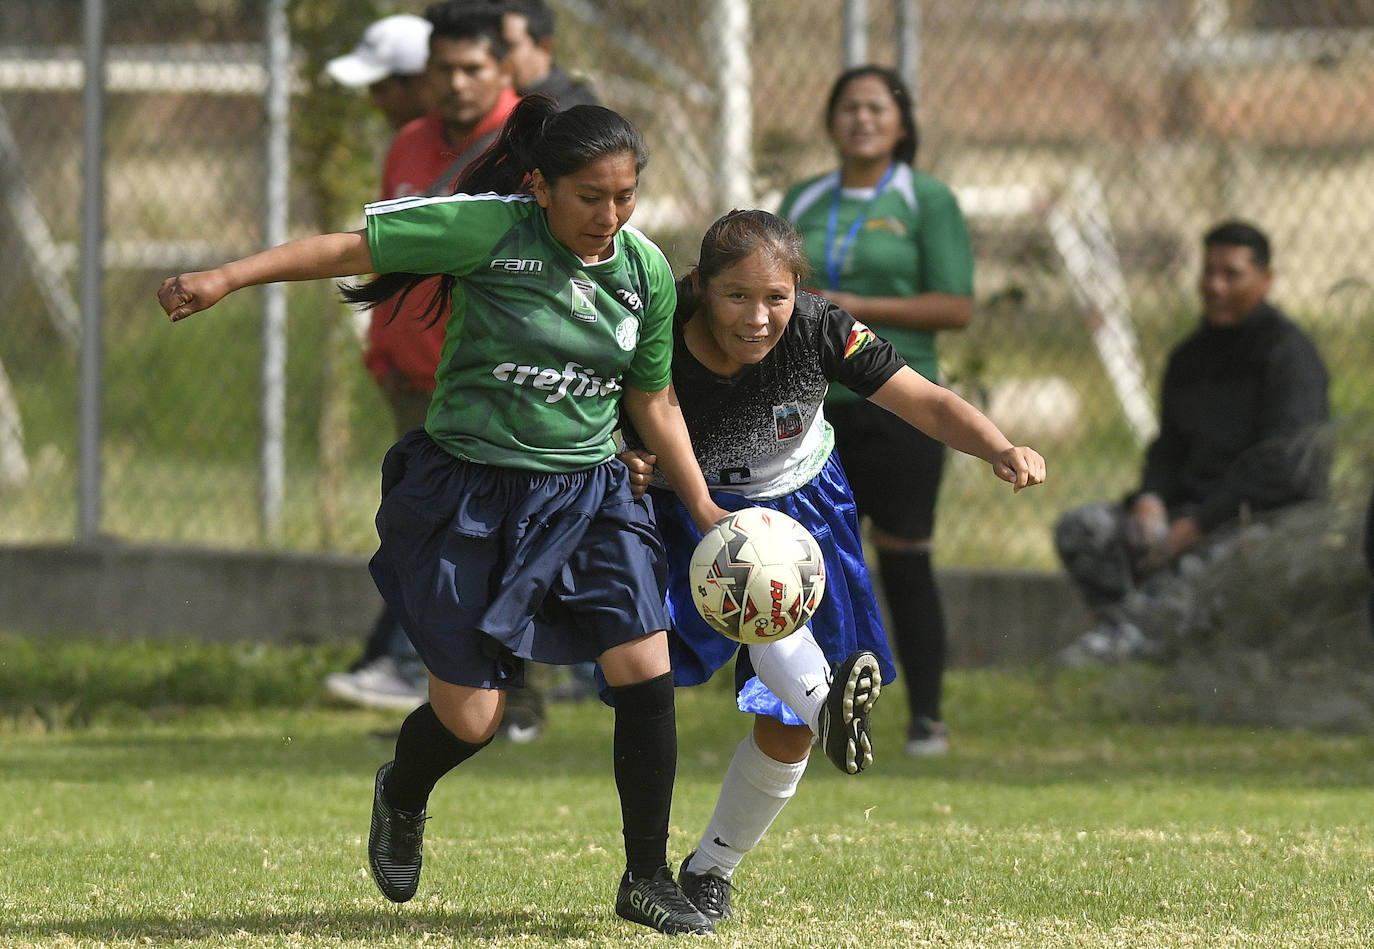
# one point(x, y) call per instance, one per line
point(1147, 523)
point(1181, 536)
point(641, 464)
point(1021, 467)
point(191, 292)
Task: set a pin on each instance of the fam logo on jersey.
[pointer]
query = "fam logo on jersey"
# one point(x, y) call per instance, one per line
point(517, 265)
point(630, 298)
point(787, 418)
point(859, 337)
point(627, 333)
point(572, 380)
point(583, 299)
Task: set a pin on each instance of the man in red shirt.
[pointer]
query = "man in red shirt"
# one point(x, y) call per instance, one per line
point(471, 83)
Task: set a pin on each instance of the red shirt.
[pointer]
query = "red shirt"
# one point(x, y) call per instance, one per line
point(398, 338)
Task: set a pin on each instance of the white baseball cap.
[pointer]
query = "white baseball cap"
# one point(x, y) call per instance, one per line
point(393, 46)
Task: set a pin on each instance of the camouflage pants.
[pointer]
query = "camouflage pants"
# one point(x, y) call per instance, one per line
point(1110, 572)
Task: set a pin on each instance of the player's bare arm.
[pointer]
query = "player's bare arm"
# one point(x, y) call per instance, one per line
point(944, 416)
point(310, 258)
point(922, 311)
point(657, 418)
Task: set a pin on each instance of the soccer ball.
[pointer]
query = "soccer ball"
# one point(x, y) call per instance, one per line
point(757, 575)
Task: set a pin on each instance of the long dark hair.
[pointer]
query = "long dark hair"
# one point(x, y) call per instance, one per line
point(905, 150)
point(536, 135)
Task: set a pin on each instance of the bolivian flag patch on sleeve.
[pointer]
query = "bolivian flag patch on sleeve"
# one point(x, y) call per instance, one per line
point(859, 337)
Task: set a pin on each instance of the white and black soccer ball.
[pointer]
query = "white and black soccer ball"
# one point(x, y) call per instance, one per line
point(757, 575)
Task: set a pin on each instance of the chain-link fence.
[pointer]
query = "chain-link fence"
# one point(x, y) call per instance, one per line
point(1091, 142)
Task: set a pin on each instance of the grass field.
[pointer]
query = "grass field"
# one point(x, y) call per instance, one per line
point(149, 808)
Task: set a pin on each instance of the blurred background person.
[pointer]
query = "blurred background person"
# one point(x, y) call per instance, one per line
point(389, 62)
point(467, 92)
point(889, 244)
point(1243, 412)
point(529, 28)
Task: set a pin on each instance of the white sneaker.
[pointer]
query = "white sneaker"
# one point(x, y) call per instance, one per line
point(925, 738)
point(376, 685)
point(1107, 643)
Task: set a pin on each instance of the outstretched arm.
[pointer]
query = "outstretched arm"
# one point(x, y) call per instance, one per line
point(310, 258)
point(657, 418)
point(944, 416)
point(923, 311)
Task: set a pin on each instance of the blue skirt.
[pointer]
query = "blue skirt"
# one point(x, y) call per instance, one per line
point(848, 618)
point(487, 566)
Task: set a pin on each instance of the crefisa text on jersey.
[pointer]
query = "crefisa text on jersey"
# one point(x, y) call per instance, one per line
point(571, 379)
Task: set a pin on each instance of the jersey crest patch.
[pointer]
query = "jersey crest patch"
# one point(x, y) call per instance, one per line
point(583, 299)
point(891, 225)
point(787, 418)
point(627, 333)
point(859, 337)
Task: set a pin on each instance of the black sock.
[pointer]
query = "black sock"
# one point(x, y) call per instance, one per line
point(425, 752)
point(645, 765)
point(918, 626)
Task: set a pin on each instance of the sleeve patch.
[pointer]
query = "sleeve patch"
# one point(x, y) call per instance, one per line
point(859, 337)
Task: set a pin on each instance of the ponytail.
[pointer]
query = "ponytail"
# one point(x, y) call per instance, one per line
point(536, 135)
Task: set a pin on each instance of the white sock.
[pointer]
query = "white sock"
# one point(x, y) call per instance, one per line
point(795, 670)
point(753, 793)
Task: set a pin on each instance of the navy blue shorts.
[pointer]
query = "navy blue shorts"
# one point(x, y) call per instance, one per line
point(893, 468)
point(847, 619)
point(487, 566)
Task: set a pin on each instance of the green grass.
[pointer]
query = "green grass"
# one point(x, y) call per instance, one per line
point(158, 816)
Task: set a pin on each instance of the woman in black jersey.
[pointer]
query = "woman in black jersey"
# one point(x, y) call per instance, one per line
point(753, 358)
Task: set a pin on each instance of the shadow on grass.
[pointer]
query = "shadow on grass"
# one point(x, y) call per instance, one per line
point(323, 929)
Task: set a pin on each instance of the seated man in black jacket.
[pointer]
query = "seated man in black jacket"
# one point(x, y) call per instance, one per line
point(1243, 413)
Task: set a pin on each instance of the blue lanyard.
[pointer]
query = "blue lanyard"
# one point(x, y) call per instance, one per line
point(834, 258)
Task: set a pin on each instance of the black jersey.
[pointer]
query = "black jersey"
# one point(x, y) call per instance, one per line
point(761, 432)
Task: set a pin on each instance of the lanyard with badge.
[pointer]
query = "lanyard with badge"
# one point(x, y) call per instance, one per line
point(835, 257)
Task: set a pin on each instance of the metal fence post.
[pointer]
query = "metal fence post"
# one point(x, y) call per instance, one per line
point(276, 168)
point(735, 111)
point(92, 265)
point(855, 32)
point(909, 45)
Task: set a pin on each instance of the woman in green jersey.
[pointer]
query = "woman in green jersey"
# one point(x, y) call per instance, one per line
point(889, 245)
point(508, 529)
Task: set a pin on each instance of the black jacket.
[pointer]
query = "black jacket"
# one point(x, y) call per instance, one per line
point(1242, 421)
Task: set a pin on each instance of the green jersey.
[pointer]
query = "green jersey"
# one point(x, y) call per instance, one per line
point(910, 239)
point(539, 343)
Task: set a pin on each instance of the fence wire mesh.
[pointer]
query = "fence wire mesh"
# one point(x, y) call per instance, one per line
point(1090, 142)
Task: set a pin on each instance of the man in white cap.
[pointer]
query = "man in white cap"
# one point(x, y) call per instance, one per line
point(390, 62)
point(461, 58)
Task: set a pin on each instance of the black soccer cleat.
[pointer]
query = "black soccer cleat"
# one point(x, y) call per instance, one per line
point(709, 893)
point(393, 845)
point(659, 903)
point(845, 731)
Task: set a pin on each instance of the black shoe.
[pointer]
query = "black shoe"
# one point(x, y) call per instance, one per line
point(845, 732)
point(709, 893)
point(393, 845)
point(659, 903)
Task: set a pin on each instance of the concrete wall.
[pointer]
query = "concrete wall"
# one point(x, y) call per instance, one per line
point(119, 591)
